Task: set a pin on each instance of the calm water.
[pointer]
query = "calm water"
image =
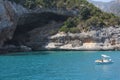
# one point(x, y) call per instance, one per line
point(59, 65)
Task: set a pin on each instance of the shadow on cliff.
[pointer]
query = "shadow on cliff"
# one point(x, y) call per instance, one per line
point(33, 30)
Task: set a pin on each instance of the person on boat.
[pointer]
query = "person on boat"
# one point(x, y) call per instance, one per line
point(102, 60)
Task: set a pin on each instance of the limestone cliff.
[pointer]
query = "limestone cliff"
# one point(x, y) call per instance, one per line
point(101, 39)
point(24, 29)
point(8, 21)
point(18, 25)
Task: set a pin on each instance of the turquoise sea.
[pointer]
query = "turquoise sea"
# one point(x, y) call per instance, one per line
point(59, 65)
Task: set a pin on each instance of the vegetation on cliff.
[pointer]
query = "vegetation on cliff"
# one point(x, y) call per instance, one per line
point(89, 15)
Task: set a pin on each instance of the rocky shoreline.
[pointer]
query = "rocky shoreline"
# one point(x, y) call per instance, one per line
point(105, 39)
point(101, 39)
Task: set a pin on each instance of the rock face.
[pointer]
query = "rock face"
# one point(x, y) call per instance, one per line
point(18, 25)
point(9, 16)
point(101, 39)
point(8, 21)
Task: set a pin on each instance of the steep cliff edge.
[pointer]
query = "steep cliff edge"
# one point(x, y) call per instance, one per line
point(8, 21)
point(9, 17)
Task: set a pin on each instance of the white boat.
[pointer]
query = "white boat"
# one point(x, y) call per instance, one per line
point(105, 60)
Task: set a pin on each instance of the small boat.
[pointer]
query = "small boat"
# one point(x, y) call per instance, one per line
point(105, 60)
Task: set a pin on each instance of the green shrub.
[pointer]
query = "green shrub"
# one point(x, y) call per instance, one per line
point(74, 30)
point(64, 29)
point(95, 21)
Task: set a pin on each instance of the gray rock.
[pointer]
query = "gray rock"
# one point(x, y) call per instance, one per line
point(8, 21)
point(25, 48)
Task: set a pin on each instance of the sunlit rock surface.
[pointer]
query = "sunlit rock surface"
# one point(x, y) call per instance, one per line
point(101, 39)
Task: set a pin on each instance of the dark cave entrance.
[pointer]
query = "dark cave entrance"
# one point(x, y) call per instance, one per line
point(30, 22)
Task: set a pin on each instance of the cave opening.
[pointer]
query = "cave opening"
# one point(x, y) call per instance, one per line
point(32, 21)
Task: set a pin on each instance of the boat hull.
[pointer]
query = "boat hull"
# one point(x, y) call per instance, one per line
point(100, 63)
